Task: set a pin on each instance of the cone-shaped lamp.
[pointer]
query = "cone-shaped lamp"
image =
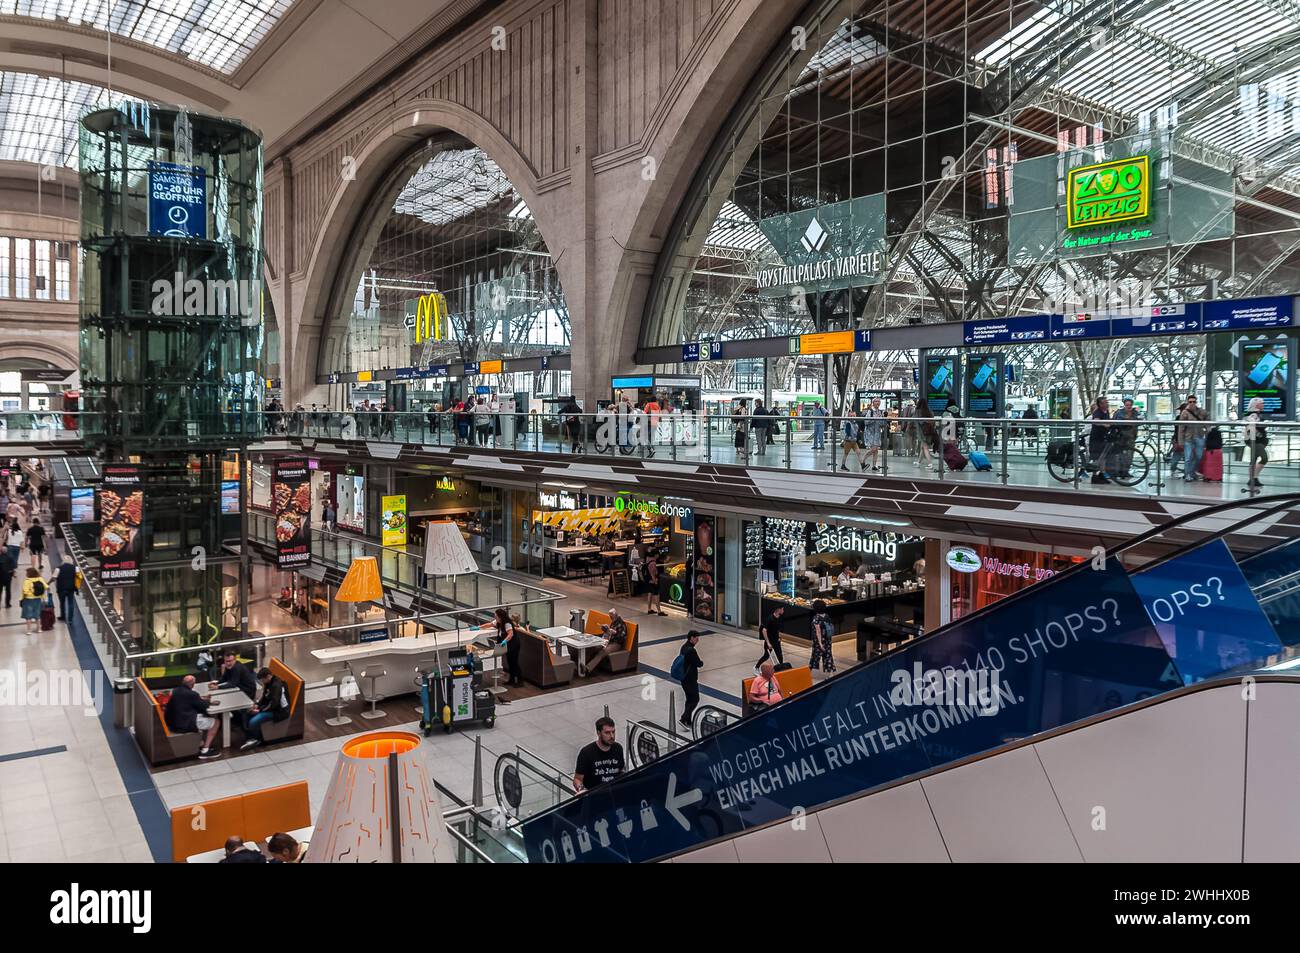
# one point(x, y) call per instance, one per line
point(361, 584)
point(445, 552)
point(382, 806)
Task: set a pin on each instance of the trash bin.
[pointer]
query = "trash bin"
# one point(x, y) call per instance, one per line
point(577, 619)
point(121, 702)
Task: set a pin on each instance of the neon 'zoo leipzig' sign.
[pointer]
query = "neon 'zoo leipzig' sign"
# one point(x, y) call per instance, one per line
point(1108, 192)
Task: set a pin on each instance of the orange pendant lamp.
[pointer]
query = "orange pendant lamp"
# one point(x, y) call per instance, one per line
point(361, 584)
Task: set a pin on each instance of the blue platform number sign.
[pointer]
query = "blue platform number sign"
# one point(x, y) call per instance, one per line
point(177, 201)
point(1082, 646)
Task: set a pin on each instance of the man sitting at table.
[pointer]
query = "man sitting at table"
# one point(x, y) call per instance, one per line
point(235, 674)
point(187, 711)
point(272, 706)
point(615, 632)
point(237, 852)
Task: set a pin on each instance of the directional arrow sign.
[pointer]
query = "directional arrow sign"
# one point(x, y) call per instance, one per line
point(675, 803)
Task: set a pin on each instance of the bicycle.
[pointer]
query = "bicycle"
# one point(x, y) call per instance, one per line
point(1067, 463)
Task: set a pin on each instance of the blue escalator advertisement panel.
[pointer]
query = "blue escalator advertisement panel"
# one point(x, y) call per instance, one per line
point(1202, 607)
point(1072, 647)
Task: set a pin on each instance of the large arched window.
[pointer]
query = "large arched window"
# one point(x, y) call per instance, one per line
point(908, 162)
point(452, 224)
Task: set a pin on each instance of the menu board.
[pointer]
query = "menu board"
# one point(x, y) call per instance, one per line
point(703, 583)
point(121, 516)
point(291, 499)
point(753, 543)
point(393, 532)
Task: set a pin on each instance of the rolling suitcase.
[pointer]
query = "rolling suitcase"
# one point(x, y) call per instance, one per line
point(980, 460)
point(1212, 466)
point(47, 615)
point(953, 458)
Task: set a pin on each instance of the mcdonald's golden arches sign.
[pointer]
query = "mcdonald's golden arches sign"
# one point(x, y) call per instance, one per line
point(431, 320)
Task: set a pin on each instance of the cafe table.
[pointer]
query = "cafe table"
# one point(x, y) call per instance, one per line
point(225, 702)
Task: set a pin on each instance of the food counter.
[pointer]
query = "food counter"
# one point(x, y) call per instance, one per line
point(846, 607)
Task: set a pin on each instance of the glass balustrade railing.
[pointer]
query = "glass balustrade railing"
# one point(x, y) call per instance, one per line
point(1197, 459)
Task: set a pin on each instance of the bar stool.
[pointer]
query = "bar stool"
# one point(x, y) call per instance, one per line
point(374, 673)
point(337, 679)
point(498, 653)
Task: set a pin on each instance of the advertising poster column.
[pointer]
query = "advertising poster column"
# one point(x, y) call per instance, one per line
point(704, 578)
point(121, 515)
point(291, 498)
point(393, 531)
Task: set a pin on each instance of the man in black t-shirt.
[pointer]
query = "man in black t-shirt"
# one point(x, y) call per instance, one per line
point(601, 761)
point(36, 543)
point(770, 633)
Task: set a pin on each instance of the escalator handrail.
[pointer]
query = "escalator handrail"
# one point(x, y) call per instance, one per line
point(1037, 738)
point(1281, 501)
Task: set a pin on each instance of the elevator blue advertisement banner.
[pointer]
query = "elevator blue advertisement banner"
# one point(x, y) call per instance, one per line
point(1072, 647)
point(1204, 612)
point(177, 201)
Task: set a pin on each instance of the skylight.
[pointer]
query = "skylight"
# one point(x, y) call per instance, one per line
point(219, 34)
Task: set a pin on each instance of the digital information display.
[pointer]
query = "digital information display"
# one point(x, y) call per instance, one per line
point(1265, 372)
point(984, 385)
point(939, 381)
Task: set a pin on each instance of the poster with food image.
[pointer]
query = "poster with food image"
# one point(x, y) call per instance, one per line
point(121, 516)
point(291, 504)
point(703, 582)
point(393, 531)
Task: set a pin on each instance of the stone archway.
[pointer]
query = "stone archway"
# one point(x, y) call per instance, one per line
point(310, 304)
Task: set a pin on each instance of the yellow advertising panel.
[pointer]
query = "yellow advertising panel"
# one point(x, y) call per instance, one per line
point(489, 367)
point(394, 520)
point(364, 376)
point(826, 342)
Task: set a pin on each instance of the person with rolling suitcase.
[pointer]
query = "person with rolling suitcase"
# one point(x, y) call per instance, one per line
point(34, 590)
point(47, 611)
point(953, 458)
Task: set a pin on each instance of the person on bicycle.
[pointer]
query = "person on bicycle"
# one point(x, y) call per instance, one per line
point(1125, 438)
point(1100, 440)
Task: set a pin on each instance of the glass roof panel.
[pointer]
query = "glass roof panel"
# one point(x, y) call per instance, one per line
point(39, 115)
point(219, 34)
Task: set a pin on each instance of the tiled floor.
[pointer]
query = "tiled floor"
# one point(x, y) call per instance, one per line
point(551, 727)
point(74, 804)
point(60, 805)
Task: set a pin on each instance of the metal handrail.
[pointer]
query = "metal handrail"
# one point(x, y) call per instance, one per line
point(124, 654)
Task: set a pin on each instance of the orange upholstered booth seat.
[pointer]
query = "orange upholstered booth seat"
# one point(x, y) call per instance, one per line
point(296, 723)
point(792, 682)
point(158, 743)
point(617, 660)
point(255, 816)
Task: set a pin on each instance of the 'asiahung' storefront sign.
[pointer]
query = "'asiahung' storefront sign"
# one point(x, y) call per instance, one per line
point(835, 246)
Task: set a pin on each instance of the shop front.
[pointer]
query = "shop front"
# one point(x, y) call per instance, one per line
point(860, 574)
point(980, 575)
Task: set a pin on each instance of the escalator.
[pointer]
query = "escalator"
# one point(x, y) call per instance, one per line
point(1209, 595)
